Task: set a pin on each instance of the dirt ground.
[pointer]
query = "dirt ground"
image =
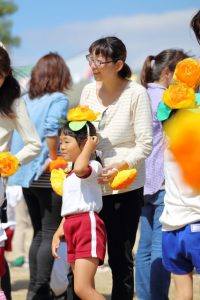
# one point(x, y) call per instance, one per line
point(20, 278)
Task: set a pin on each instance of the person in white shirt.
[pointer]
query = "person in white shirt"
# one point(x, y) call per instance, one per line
point(82, 201)
point(13, 115)
point(180, 218)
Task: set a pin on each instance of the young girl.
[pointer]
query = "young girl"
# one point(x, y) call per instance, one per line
point(82, 200)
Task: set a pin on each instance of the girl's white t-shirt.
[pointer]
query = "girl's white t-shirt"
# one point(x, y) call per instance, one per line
point(82, 194)
point(182, 202)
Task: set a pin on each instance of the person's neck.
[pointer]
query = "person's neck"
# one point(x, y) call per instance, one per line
point(109, 91)
point(162, 82)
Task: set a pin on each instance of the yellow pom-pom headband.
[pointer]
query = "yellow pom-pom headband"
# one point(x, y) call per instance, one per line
point(79, 116)
point(181, 94)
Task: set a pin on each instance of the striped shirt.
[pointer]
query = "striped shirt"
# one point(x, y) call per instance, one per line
point(125, 129)
point(42, 182)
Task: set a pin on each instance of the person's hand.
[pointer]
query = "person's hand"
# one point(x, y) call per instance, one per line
point(91, 143)
point(108, 174)
point(55, 244)
point(111, 171)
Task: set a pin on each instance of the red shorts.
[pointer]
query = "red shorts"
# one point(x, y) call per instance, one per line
point(8, 242)
point(86, 236)
point(2, 262)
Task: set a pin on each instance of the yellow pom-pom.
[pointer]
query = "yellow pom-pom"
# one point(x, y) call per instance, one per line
point(188, 71)
point(82, 113)
point(123, 179)
point(9, 164)
point(57, 179)
point(179, 96)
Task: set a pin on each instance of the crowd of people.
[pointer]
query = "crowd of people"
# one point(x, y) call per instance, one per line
point(90, 216)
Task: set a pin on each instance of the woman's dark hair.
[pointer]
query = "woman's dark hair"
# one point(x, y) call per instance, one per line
point(50, 75)
point(80, 135)
point(113, 48)
point(154, 65)
point(10, 89)
point(195, 25)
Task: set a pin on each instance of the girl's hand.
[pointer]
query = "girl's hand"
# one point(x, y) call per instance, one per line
point(55, 244)
point(91, 143)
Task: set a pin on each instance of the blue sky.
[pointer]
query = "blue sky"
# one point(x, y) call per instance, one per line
point(68, 27)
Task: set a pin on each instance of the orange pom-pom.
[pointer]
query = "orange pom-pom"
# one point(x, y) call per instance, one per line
point(184, 141)
point(179, 96)
point(58, 163)
point(9, 164)
point(57, 180)
point(188, 71)
point(123, 179)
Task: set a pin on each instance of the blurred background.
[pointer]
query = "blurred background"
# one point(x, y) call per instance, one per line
point(33, 28)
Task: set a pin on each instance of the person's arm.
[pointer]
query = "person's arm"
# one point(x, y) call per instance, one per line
point(81, 166)
point(58, 235)
point(57, 110)
point(28, 133)
point(52, 143)
point(143, 129)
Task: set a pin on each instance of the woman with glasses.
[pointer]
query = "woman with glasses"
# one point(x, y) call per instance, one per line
point(125, 131)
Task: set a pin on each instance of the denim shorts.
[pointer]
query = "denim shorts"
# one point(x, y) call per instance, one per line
point(181, 249)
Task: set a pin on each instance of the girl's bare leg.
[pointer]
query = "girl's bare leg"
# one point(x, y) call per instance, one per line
point(183, 286)
point(84, 272)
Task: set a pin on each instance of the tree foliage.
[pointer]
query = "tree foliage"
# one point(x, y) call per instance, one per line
point(7, 8)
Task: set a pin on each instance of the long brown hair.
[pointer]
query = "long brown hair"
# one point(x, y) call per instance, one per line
point(10, 89)
point(50, 75)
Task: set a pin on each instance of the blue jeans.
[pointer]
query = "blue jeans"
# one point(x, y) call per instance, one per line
point(152, 280)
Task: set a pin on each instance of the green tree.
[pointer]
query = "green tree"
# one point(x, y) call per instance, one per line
point(7, 8)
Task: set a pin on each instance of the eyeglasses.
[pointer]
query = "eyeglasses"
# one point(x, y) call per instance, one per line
point(98, 63)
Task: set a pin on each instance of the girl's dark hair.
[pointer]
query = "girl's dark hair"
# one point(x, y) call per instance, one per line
point(10, 90)
point(50, 75)
point(80, 135)
point(195, 25)
point(113, 48)
point(154, 65)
